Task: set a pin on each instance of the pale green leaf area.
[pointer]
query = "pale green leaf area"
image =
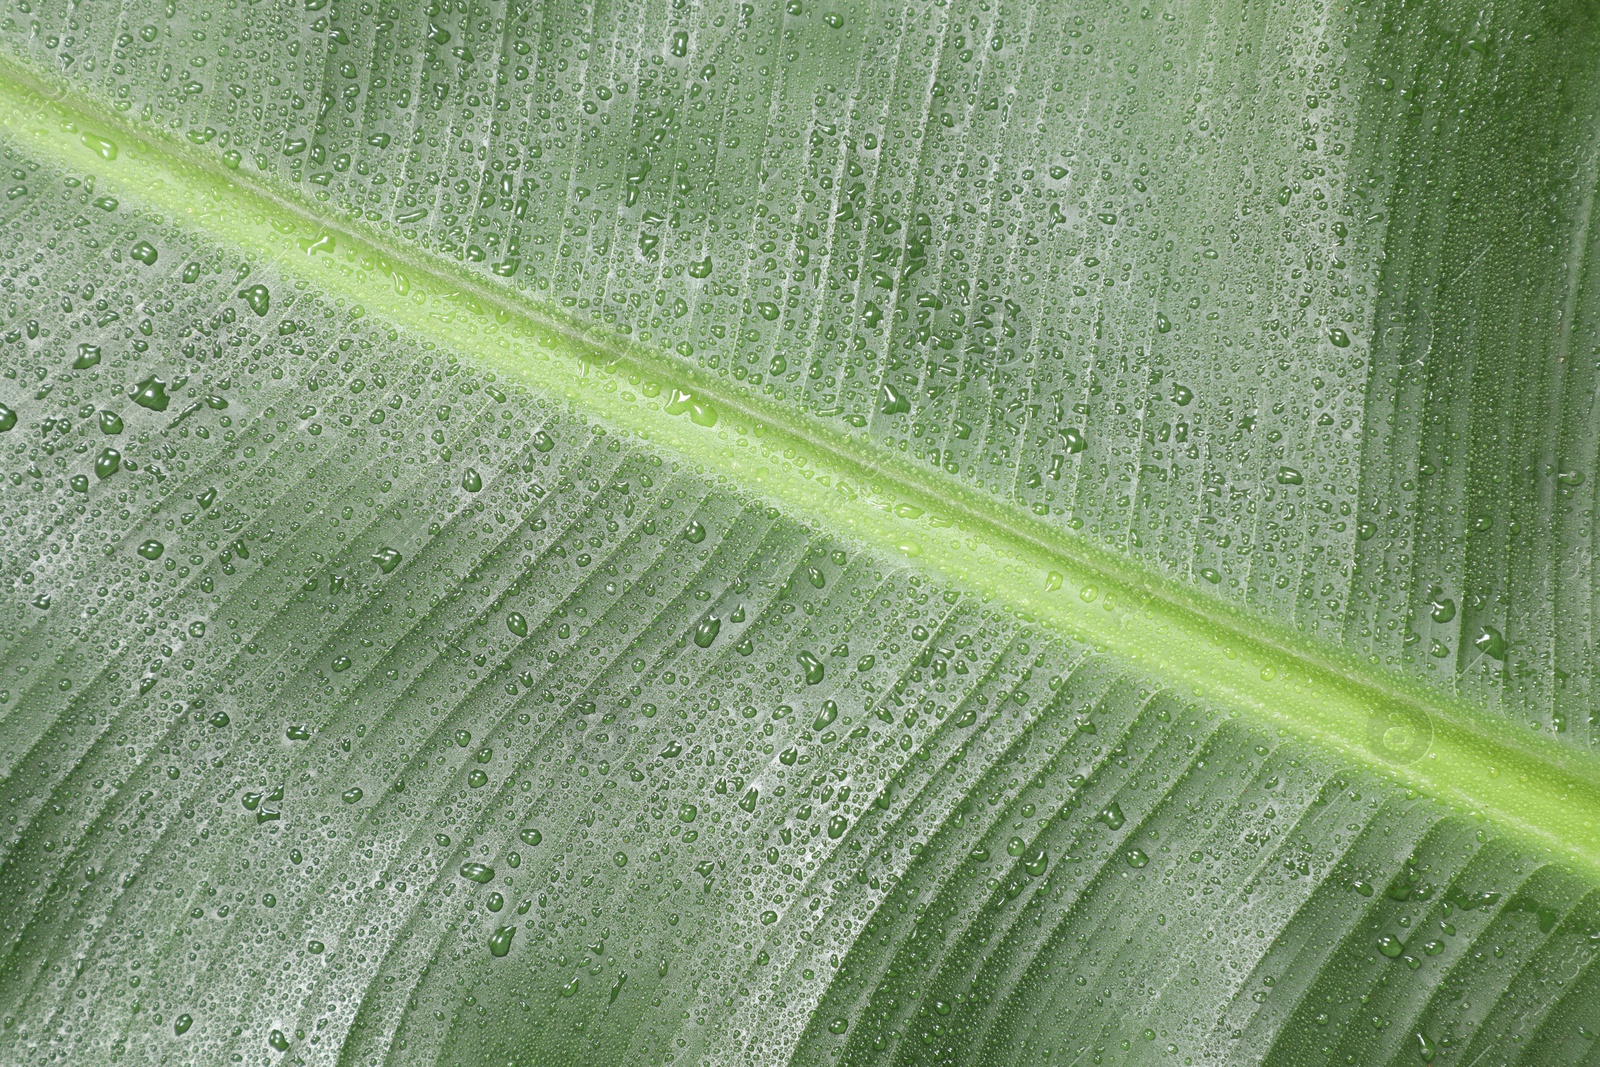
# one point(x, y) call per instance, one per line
point(790, 532)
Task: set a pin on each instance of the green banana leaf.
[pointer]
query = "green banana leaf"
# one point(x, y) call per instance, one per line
point(935, 531)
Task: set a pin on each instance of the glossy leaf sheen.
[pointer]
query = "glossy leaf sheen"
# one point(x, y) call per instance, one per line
point(983, 533)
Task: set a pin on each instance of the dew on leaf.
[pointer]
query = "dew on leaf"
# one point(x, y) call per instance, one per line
point(152, 394)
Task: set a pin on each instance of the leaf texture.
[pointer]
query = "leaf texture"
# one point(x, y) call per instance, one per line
point(788, 533)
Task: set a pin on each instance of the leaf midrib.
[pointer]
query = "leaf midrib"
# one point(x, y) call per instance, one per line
point(1171, 631)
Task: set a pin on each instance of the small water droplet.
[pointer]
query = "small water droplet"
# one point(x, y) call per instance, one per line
point(151, 549)
point(107, 463)
point(1136, 858)
point(500, 941)
point(181, 1024)
point(517, 624)
point(471, 480)
point(891, 400)
point(144, 252)
point(387, 559)
point(1339, 338)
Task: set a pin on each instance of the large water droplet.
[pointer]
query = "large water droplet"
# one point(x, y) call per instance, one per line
point(812, 666)
point(257, 297)
point(705, 631)
point(152, 394)
point(477, 872)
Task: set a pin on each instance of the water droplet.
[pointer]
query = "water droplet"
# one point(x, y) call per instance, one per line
point(694, 533)
point(107, 463)
point(1163, 324)
point(1088, 594)
point(705, 631)
point(1491, 643)
point(181, 1024)
point(8, 418)
point(144, 252)
point(838, 1026)
point(748, 803)
point(105, 149)
point(837, 826)
point(110, 423)
point(687, 813)
point(151, 550)
point(477, 872)
point(530, 837)
point(1182, 395)
point(1136, 858)
point(1037, 863)
point(278, 1041)
point(88, 356)
point(471, 480)
point(517, 624)
point(152, 394)
point(891, 400)
point(1339, 338)
point(79, 483)
point(830, 711)
point(351, 795)
point(702, 269)
point(1290, 476)
point(812, 666)
point(500, 941)
point(387, 559)
point(1570, 477)
point(616, 986)
point(1390, 946)
point(257, 297)
point(1075, 441)
point(1444, 609)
